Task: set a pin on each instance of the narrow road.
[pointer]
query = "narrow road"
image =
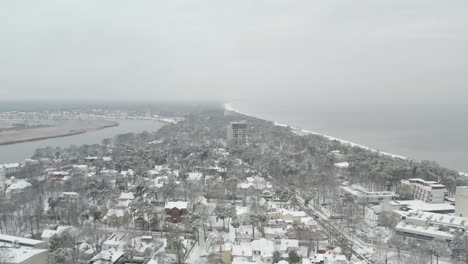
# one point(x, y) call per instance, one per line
point(333, 231)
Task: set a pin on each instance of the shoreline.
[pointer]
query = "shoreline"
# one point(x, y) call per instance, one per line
point(299, 131)
point(67, 134)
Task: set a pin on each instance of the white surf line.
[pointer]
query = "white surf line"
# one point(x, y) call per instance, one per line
point(229, 107)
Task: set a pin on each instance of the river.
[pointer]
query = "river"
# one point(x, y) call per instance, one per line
point(20, 151)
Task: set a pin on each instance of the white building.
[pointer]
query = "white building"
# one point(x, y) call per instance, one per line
point(440, 208)
point(21, 241)
point(362, 194)
point(11, 169)
point(427, 191)
point(194, 177)
point(2, 181)
point(461, 201)
point(422, 233)
point(14, 254)
point(16, 187)
point(110, 256)
point(262, 251)
point(372, 215)
point(428, 226)
point(20, 250)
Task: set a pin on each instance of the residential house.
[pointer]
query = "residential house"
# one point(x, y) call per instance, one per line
point(116, 217)
point(175, 211)
point(48, 233)
point(115, 241)
point(58, 175)
point(124, 200)
point(194, 177)
point(274, 232)
point(242, 252)
point(16, 187)
point(69, 197)
point(285, 246)
point(262, 251)
point(144, 246)
point(111, 256)
point(200, 205)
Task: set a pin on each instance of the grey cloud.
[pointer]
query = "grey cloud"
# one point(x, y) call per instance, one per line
point(229, 50)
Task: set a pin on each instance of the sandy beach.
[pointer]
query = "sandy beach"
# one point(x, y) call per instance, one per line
point(61, 128)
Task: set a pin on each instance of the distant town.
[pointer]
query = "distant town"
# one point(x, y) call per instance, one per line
point(215, 186)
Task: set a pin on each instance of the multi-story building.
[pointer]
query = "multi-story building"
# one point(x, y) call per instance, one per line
point(237, 133)
point(427, 191)
point(461, 201)
point(361, 194)
point(2, 181)
point(11, 169)
point(22, 250)
point(429, 226)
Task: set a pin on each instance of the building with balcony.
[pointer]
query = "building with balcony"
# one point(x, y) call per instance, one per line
point(237, 133)
point(427, 191)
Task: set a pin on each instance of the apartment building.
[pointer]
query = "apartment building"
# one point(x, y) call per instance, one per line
point(427, 191)
point(461, 201)
point(237, 133)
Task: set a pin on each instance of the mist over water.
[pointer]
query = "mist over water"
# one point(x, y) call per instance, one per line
point(437, 133)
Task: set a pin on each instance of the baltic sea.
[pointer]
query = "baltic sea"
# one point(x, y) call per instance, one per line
point(436, 133)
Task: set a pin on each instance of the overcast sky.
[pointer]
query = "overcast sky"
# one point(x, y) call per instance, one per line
point(369, 50)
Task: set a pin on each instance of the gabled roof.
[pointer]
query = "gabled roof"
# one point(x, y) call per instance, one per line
point(126, 196)
point(178, 205)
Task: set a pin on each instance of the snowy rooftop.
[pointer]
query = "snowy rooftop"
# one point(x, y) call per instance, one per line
point(342, 165)
point(266, 247)
point(286, 244)
point(19, 254)
point(21, 240)
point(126, 196)
point(178, 205)
point(10, 165)
point(242, 250)
point(284, 211)
point(438, 219)
point(116, 212)
point(195, 176)
point(428, 207)
point(201, 200)
point(106, 256)
point(429, 231)
point(18, 185)
point(360, 191)
point(48, 233)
